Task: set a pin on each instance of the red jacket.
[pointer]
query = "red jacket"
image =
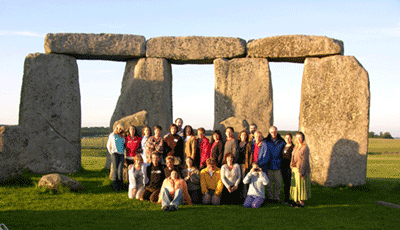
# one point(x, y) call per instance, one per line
point(132, 145)
point(205, 151)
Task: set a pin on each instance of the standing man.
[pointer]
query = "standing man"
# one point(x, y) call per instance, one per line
point(179, 123)
point(253, 129)
point(270, 160)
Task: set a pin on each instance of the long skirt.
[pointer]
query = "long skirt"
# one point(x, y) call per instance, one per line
point(300, 188)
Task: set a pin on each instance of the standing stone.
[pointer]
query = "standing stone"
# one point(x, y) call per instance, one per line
point(236, 123)
point(294, 48)
point(146, 85)
point(243, 89)
point(334, 116)
point(114, 47)
point(13, 144)
point(195, 49)
point(50, 111)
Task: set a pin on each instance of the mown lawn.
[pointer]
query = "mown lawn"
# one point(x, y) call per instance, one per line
point(22, 206)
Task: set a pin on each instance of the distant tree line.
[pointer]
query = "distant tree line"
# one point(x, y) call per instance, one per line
point(385, 135)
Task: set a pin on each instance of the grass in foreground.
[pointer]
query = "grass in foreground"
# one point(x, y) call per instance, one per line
point(25, 207)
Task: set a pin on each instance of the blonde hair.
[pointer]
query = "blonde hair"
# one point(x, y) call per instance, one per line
point(116, 129)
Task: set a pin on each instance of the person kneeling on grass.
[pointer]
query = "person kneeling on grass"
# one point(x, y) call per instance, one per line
point(211, 183)
point(156, 175)
point(257, 180)
point(172, 191)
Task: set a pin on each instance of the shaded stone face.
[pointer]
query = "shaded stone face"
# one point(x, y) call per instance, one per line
point(334, 116)
point(13, 143)
point(195, 49)
point(147, 85)
point(243, 90)
point(293, 48)
point(50, 111)
point(115, 47)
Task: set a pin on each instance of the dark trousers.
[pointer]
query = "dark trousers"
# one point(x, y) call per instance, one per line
point(195, 195)
point(231, 198)
point(286, 177)
point(150, 194)
point(118, 166)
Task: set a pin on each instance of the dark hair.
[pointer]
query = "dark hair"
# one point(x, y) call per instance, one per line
point(146, 127)
point(231, 128)
point(218, 133)
point(178, 119)
point(193, 163)
point(136, 132)
point(228, 154)
point(210, 161)
point(178, 174)
point(291, 136)
point(191, 131)
point(173, 125)
point(253, 124)
point(157, 127)
point(302, 134)
point(240, 134)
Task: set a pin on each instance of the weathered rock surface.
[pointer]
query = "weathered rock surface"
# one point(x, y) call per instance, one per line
point(334, 116)
point(50, 111)
point(146, 85)
point(13, 144)
point(195, 49)
point(293, 48)
point(236, 123)
point(115, 47)
point(243, 90)
point(55, 181)
point(139, 120)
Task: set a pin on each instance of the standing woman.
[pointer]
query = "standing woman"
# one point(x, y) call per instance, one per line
point(189, 140)
point(300, 189)
point(132, 144)
point(243, 149)
point(230, 144)
point(154, 144)
point(116, 147)
point(285, 166)
point(191, 175)
point(146, 133)
point(231, 177)
point(173, 145)
point(217, 148)
point(137, 177)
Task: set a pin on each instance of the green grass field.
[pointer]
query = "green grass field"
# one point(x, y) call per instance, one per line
point(23, 206)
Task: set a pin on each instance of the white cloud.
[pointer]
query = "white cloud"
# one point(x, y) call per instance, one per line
point(20, 33)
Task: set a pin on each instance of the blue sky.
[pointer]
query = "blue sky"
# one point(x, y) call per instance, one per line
point(370, 31)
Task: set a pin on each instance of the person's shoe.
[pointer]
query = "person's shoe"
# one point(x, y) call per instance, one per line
point(165, 208)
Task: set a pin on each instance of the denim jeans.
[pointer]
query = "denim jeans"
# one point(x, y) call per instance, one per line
point(168, 200)
point(118, 166)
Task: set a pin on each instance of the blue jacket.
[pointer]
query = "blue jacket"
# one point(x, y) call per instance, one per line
point(270, 156)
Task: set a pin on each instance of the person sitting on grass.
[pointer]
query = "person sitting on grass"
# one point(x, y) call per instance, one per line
point(257, 180)
point(211, 183)
point(137, 177)
point(156, 175)
point(191, 175)
point(172, 191)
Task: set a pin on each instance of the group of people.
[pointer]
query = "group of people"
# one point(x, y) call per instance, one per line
point(182, 168)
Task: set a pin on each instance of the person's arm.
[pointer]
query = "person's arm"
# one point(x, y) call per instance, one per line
point(239, 176)
point(193, 148)
point(264, 178)
point(247, 178)
point(195, 177)
point(263, 155)
point(220, 186)
point(131, 178)
point(109, 144)
point(203, 183)
point(223, 168)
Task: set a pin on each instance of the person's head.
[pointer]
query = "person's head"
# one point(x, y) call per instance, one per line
point(179, 122)
point(146, 131)
point(300, 138)
point(138, 159)
point(216, 135)
point(132, 130)
point(173, 129)
point(210, 162)
point(157, 130)
point(155, 158)
point(258, 136)
point(229, 132)
point(169, 161)
point(200, 132)
point(174, 174)
point(119, 129)
point(255, 166)
point(229, 159)
point(253, 128)
point(288, 138)
point(273, 131)
point(188, 131)
point(243, 136)
point(189, 162)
